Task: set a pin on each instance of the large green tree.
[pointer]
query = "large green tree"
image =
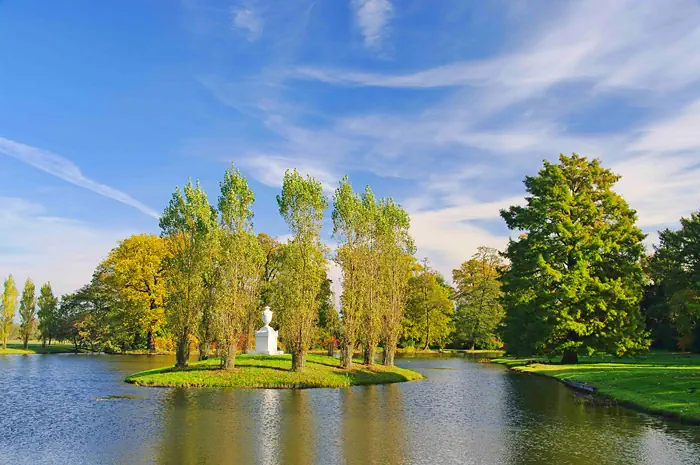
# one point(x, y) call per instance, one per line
point(302, 205)
point(675, 276)
point(135, 268)
point(189, 222)
point(9, 308)
point(575, 278)
point(242, 261)
point(47, 313)
point(27, 311)
point(478, 297)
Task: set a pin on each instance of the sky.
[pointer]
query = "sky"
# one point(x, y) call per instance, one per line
point(444, 106)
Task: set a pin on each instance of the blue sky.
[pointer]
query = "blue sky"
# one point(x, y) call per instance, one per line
point(106, 106)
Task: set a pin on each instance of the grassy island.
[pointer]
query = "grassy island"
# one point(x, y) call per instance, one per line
point(261, 371)
point(662, 383)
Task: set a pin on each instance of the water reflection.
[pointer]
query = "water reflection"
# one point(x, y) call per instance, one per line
point(463, 413)
point(372, 424)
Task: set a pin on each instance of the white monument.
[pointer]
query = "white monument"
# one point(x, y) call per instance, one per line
point(266, 337)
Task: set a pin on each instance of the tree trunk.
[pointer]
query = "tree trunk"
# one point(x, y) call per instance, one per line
point(331, 348)
point(346, 356)
point(4, 342)
point(204, 348)
point(298, 361)
point(50, 340)
point(230, 357)
point(26, 341)
point(370, 352)
point(389, 352)
point(151, 345)
point(182, 353)
point(473, 346)
point(43, 342)
point(569, 358)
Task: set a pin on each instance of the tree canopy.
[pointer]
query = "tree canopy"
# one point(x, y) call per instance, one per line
point(575, 278)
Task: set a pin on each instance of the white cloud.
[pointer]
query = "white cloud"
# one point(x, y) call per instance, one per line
point(372, 17)
point(45, 248)
point(65, 169)
point(246, 20)
point(270, 169)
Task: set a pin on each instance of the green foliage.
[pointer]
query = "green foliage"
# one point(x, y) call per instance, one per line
point(301, 273)
point(48, 314)
point(8, 309)
point(429, 310)
point(135, 269)
point(189, 224)
point(575, 280)
point(658, 382)
point(27, 311)
point(241, 264)
point(328, 320)
point(258, 371)
point(675, 283)
point(479, 311)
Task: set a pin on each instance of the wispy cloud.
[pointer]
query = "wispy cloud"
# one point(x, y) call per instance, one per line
point(372, 17)
point(47, 248)
point(245, 19)
point(65, 169)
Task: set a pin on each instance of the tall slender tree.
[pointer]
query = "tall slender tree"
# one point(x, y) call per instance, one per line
point(396, 262)
point(9, 308)
point(242, 263)
point(349, 228)
point(575, 279)
point(302, 205)
point(373, 295)
point(189, 222)
point(48, 314)
point(27, 311)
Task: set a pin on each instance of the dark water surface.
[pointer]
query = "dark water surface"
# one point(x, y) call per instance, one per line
point(75, 409)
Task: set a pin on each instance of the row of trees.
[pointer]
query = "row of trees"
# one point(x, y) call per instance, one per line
point(31, 311)
point(576, 279)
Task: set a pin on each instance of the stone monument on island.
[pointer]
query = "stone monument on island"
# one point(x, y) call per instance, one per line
point(266, 337)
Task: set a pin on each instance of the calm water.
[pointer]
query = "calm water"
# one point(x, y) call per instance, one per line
point(466, 413)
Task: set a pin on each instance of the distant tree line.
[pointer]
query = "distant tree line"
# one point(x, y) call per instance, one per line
point(575, 280)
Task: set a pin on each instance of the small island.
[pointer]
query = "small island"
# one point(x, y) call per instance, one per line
point(272, 372)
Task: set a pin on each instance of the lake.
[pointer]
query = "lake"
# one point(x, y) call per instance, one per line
point(75, 409)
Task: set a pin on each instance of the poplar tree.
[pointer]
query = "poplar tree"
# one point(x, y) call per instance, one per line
point(301, 204)
point(429, 310)
point(396, 263)
point(9, 307)
point(189, 222)
point(575, 280)
point(48, 314)
point(27, 311)
point(349, 225)
point(372, 293)
point(242, 262)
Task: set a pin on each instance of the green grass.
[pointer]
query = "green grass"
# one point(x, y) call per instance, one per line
point(34, 347)
point(659, 382)
point(261, 371)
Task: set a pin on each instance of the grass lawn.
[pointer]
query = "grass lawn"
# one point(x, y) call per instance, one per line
point(262, 371)
point(659, 382)
point(34, 347)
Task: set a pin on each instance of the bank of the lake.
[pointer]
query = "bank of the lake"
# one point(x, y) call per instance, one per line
point(661, 383)
point(261, 371)
point(16, 347)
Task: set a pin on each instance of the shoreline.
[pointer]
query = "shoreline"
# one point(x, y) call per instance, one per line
point(631, 383)
point(272, 372)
